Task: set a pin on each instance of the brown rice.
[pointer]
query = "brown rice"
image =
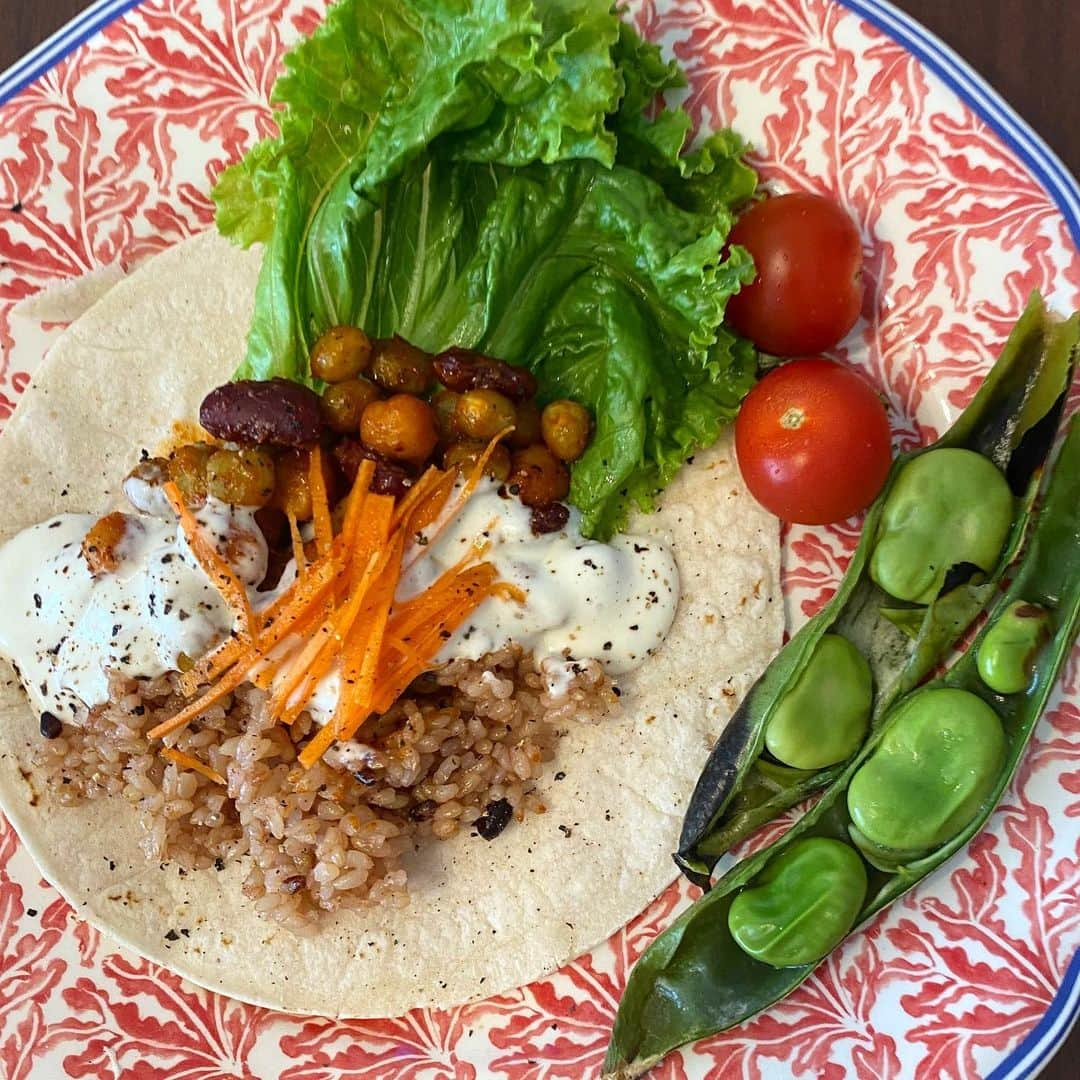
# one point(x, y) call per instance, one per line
point(461, 751)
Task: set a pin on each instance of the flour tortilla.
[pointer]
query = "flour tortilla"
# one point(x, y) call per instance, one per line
point(484, 917)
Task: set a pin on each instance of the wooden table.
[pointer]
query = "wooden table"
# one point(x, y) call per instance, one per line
point(1026, 48)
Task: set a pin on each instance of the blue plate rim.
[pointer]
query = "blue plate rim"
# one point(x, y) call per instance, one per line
point(1027, 1059)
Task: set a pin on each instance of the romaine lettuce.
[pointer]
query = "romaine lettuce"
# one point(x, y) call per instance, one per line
point(486, 173)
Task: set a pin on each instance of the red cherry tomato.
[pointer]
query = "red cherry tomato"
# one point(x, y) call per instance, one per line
point(813, 442)
point(808, 289)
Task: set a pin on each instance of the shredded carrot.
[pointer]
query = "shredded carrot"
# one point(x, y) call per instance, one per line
point(186, 761)
point(467, 491)
point(288, 614)
point(222, 688)
point(343, 607)
point(460, 598)
point(361, 666)
point(217, 569)
point(420, 609)
point(320, 504)
point(319, 743)
point(481, 464)
point(507, 591)
point(417, 492)
point(428, 511)
point(317, 657)
point(356, 499)
point(297, 547)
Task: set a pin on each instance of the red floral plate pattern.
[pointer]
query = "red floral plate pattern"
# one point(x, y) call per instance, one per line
point(108, 156)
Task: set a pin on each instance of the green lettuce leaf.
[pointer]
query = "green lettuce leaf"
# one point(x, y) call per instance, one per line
point(494, 174)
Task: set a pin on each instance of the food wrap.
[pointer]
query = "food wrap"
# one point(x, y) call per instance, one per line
point(484, 916)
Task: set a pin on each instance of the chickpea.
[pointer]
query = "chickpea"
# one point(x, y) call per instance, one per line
point(539, 476)
point(527, 430)
point(401, 367)
point(402, 428)
point(464, 455)
point(100, 545)
point(292, 492)
point(444, 403)
point(565, 427)
point(343, 403)
point(187, 470)
point(341, 353)
point(241, 477)
point(482, 414)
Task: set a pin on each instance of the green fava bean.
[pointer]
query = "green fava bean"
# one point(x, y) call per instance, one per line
point(802, 905)
point(926, 779)
point(1006, 657)
point(946, 507)
point(823, 718)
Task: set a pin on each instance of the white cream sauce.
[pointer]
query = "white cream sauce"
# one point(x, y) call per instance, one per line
point(611, 602)
point(63, 628)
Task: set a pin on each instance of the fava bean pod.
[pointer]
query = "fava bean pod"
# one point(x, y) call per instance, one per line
point(924, 783)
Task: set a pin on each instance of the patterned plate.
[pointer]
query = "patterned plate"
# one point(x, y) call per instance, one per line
point(110, 137)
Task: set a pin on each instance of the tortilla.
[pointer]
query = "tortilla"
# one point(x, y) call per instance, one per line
point(484, 916)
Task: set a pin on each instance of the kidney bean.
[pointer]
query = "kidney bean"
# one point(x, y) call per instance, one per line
point(389, 479)
point(548, 519)
point(278, 411)
point(465, 369)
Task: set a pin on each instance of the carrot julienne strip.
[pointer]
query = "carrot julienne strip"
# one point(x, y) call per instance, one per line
point(186, 761)
point(320, 504)
point(216, 568)
point(222, 688)
point(299, 558)
point(318, 656)
point(360, 676)
point(467, 491)
point(356, 499)
point(418, 491)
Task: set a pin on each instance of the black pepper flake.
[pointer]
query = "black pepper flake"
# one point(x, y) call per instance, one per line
point(116, 629)
point(494, 819)
point(166, 559)
point(634, 627)
point(37, 601)
point(219, 863)
point(607, 646)
point(185, 932)
point(172, 935)
point(560, 775)
point(168, 607)
point(51, 728)
point(566, 831)
point(616, 691)
point(639, 548)
point(139, 710)
point(423, 811)
point(31, 912)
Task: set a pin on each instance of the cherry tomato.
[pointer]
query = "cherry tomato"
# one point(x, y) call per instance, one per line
point(813, 442)
point(808, 289)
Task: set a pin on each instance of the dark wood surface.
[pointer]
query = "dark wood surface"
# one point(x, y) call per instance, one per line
point(1027, 49)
